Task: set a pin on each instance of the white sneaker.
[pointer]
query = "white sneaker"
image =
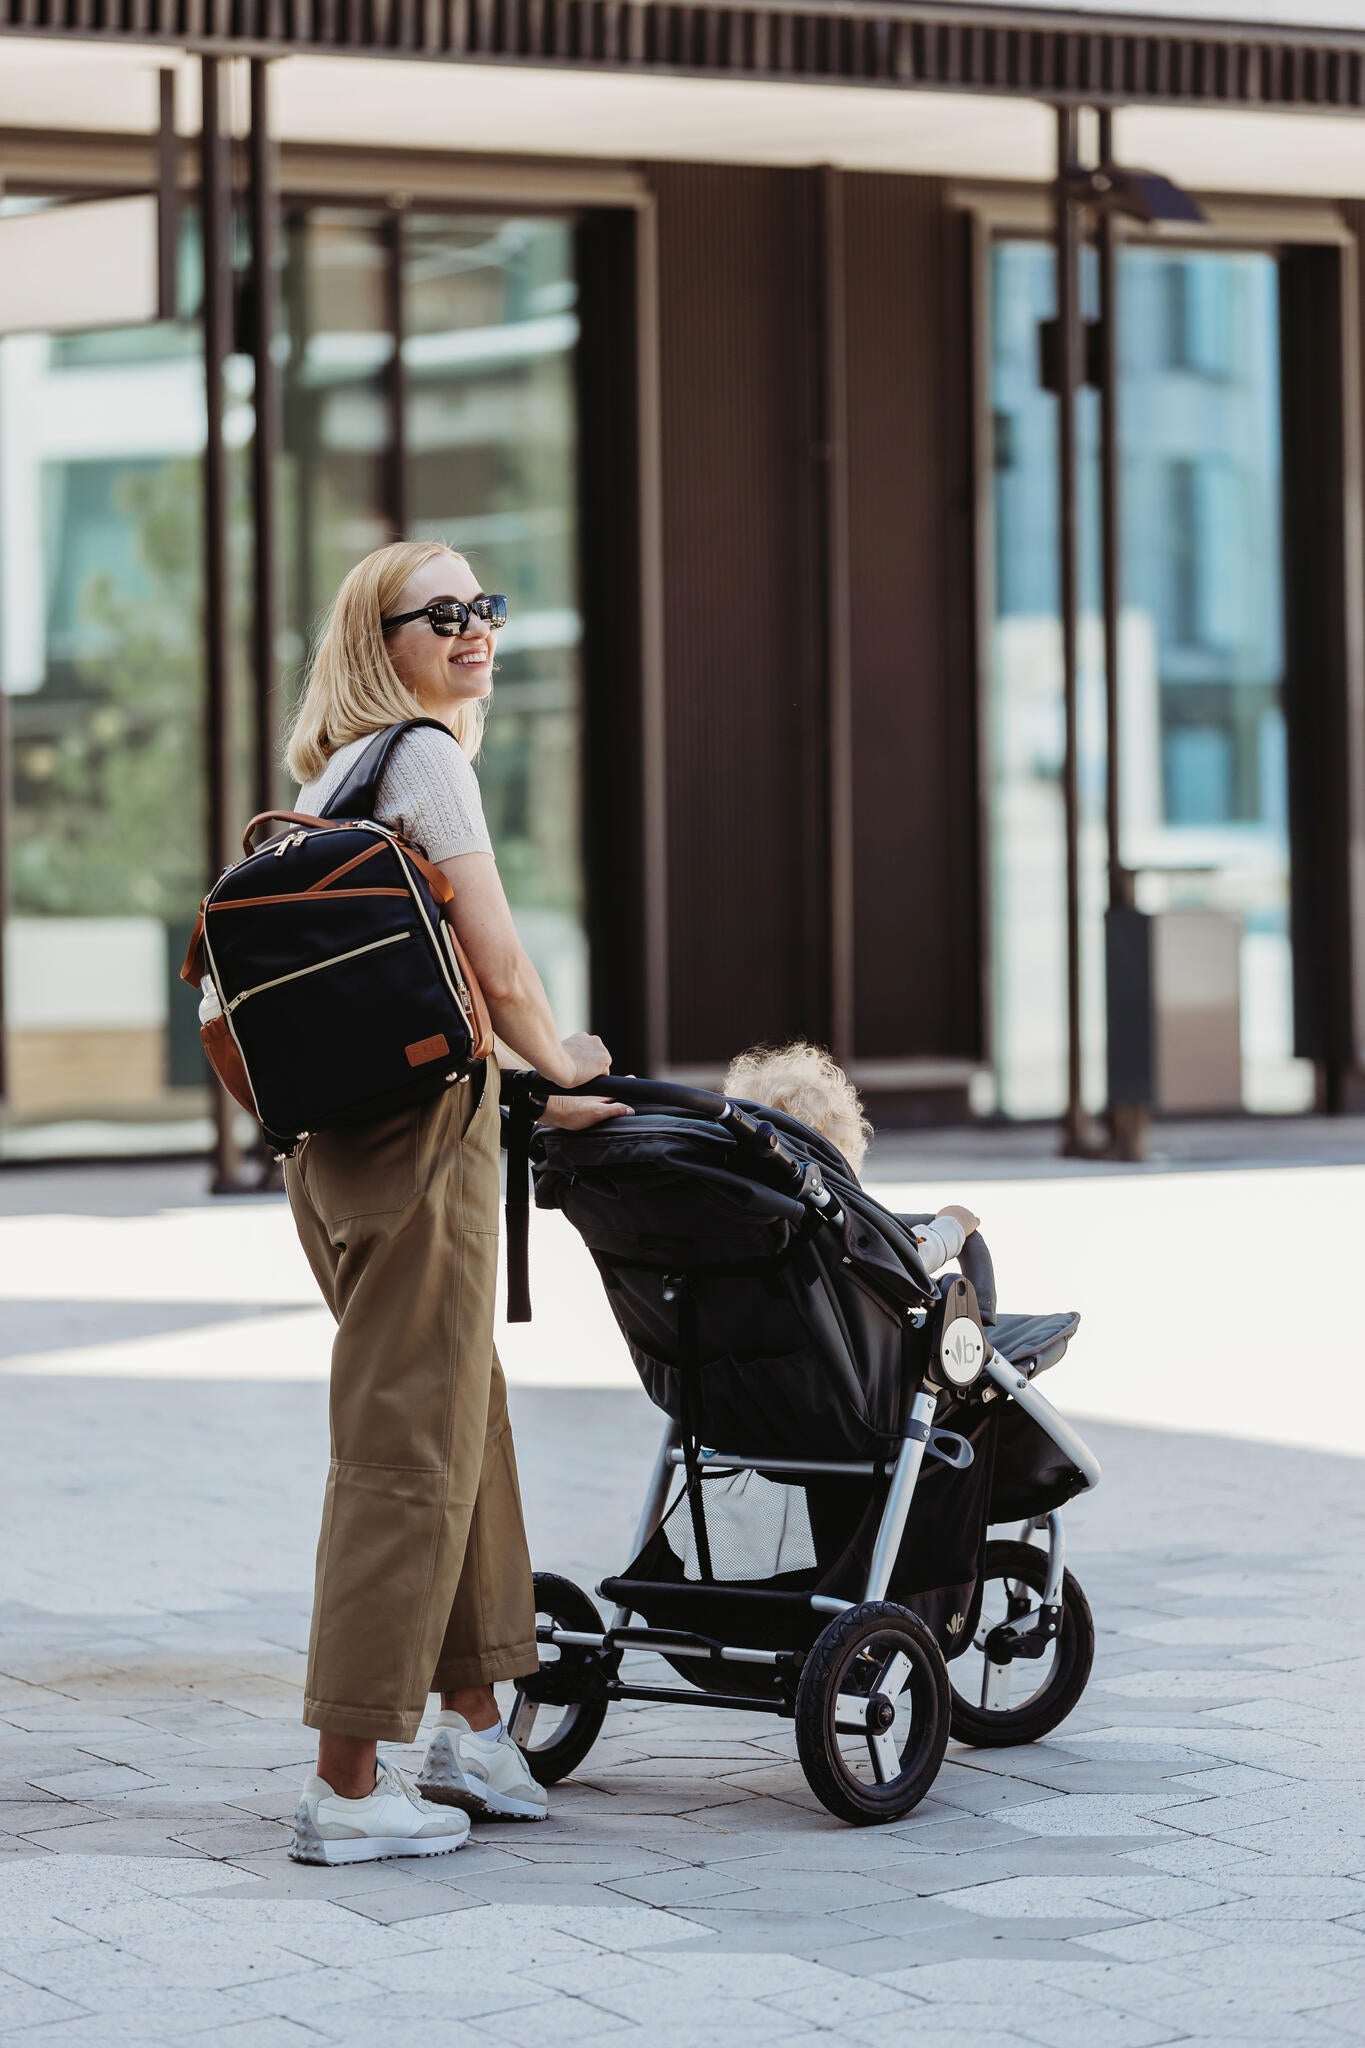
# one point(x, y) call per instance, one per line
point(393, 1820)
point(491, 1780)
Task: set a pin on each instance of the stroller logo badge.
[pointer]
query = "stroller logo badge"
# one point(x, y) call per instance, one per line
point(963, 1351)
point(956, 1624)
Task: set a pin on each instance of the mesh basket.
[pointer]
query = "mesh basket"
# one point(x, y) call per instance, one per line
point(757, 1529)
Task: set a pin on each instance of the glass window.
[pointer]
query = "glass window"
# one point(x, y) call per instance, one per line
point(100, 660)
point(336, 414)
point(490, 327)
point(1201, 649)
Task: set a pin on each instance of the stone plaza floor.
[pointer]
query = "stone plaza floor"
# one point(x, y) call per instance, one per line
point(1183, 1861)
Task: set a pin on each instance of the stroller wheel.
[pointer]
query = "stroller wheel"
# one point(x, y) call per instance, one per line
point(998, 1704)
point(872, 1713)
point(555, 1716)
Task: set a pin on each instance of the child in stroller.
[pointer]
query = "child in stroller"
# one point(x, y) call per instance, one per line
point(842, 1429)
point(806, 1082)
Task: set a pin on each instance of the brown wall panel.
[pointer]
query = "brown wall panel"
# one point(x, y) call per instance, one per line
point(742, 661)
point(916, 988)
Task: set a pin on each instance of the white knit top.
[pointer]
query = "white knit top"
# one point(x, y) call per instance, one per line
point(428, 792)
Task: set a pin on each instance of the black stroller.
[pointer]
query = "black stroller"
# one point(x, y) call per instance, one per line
point(842, 1429)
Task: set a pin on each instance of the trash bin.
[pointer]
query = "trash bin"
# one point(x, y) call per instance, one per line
point(1174, 990)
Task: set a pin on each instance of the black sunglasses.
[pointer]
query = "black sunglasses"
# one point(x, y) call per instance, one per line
point(449, 616)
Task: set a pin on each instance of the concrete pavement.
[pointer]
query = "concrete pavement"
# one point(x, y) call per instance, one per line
point(1183, 1861)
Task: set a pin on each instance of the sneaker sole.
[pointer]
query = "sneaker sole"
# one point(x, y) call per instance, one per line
point(480, 1802)
point(374, 1849)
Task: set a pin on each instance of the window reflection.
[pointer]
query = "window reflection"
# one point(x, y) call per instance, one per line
point(1202, 655)
point(490, 325)
point(100, 660)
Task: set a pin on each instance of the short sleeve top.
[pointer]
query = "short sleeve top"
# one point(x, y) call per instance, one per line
point(428, 792)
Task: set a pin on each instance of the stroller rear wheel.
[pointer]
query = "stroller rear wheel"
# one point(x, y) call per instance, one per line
point(555, 1716)
point(872, 1713)
point(998, 1704)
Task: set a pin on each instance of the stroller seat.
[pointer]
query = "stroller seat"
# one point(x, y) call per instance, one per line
point(1033, 1343)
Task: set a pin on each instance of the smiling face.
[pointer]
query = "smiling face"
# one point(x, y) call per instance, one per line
point(442, 673)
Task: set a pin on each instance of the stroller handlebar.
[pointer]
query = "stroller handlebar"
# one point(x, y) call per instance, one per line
point(807, 1183)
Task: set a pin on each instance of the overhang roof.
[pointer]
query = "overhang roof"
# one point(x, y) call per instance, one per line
point(1312, 60)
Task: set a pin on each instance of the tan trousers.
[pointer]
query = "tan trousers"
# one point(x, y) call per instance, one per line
point(423, 1577)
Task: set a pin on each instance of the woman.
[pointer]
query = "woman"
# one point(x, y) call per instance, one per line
point(423, 1577)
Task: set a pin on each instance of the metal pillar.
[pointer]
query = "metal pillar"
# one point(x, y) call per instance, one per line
point(215, 201)
point(265, 451)
point(265, 444)
point(838, 625)
point(1129, 1124)
point(396, 475)
point(1070, 376)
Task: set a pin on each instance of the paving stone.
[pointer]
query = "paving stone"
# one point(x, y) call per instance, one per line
point(1197, 1828)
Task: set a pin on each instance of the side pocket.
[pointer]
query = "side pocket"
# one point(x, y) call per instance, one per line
point(220, 1049)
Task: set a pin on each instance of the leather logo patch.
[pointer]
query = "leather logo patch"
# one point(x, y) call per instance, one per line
point(425, 1050)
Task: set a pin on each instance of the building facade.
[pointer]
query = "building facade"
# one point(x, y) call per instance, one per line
point(732, 379)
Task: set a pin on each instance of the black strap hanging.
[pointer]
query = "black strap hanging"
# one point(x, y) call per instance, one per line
point(523, 1106)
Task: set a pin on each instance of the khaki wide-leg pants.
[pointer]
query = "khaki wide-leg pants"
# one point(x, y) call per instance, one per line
point(423, 1576)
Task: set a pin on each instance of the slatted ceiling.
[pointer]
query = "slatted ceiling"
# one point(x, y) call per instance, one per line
point(915, 958)
point(969, 49)
point(740, 631)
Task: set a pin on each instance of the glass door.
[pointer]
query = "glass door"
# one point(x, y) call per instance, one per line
point(1204, 768)
point(101, 437)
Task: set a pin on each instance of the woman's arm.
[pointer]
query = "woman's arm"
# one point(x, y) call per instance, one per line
point(516, 999)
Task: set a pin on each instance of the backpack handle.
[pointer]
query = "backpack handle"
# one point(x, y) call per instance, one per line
point(287, 817)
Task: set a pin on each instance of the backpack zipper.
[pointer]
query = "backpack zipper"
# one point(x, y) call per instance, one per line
point(316, 967)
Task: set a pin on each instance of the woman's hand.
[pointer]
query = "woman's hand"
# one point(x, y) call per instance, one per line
point(580, 1112)
point(961, 1215)
point(584, 1058)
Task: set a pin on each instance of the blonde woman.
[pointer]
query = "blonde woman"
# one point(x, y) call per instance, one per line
point(423, 1578)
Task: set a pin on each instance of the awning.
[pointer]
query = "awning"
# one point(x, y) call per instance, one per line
point(1310, 58)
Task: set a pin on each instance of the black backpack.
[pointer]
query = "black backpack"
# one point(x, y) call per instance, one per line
point(343, 992)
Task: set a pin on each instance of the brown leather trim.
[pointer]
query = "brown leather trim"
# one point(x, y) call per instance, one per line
point(333, 895)
point(438, 883)
point(345, 868)
point(424, 1050)
point(287, 818)
point(476, 1009)
point(193, 970)
point(220, 1049)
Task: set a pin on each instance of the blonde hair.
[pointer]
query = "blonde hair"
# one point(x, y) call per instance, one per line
point(353, 687)
point(805, 1081)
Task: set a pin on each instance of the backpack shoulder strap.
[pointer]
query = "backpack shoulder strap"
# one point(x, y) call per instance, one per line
point(358, 791)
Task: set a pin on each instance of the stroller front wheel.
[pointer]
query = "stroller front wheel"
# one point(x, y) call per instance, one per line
point(997, 1705)
point(872, 1712)
point(557, 1713)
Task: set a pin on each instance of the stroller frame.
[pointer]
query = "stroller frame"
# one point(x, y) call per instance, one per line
point(869, 1657)
point(904, 1470)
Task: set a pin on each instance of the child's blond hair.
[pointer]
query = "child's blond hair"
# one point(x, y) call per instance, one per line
point(806, 1082)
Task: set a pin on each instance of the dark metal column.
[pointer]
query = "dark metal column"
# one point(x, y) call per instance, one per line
point(1129, 1123)
point(215, 200)
point(1070, 376)
point(834, 539)
point(266, 439)
point(396, 480)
